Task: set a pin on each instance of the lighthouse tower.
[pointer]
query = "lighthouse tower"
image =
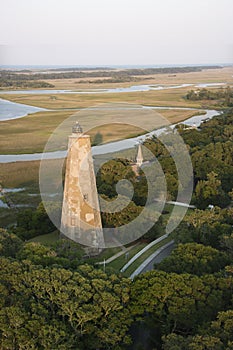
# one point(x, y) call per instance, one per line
point(81, 220)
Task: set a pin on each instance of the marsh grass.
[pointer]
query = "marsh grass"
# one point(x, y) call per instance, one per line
point(20, 174)
point(30, 134)
point(171, 97)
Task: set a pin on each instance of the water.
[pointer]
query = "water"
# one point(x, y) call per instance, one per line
point(37, 92)
point(14, 190)
point(11, 110)
point(198, 119)
point(133, 88)
point(3, 205)
point(129, 143)
point(210, 84)
point(9, 158)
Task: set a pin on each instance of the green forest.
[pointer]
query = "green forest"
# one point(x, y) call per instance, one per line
point(54, 298)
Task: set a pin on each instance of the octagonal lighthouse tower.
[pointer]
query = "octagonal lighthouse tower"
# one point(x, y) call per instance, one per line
point(81, 220)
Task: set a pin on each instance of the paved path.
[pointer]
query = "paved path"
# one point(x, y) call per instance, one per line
point(143, 251)
point(156, 257)
point(123, 251)
point(181, 204)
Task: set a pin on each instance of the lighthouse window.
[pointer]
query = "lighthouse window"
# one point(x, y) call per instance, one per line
point(85, 196)
point(73, 221)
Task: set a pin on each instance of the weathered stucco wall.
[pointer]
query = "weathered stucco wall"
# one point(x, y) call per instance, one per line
point(81, 220)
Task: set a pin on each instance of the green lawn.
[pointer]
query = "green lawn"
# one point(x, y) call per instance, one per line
point(47, 239)
point(118, 263)
point(105, 254)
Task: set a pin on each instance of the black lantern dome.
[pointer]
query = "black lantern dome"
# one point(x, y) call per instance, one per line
point(77, 129)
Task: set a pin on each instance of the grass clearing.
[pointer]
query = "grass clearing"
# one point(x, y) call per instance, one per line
point(104, 255)
point(118, 263)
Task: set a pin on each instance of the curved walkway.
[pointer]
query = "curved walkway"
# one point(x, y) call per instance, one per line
point(136, 256)
point(156, 257)
point(117, 255)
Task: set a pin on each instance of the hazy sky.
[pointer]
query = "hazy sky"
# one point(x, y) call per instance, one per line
point(102, 32)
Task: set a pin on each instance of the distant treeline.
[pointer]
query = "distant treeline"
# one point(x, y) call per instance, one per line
point(225, 95)
point(122, 79)
point(69, 69)
point(6, 75)
point(5, 83)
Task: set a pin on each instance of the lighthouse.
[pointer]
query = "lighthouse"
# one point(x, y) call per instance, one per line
point(81, 220)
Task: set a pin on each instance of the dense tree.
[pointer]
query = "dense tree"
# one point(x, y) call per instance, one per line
point(179, 303)
point(63, 253)
point(210, 192)
point(210, 147)
point(67, 248)
point(50, 301)
point(206, 342)
point(118, 216)
point(111, 173)
point(205, 226)
point(219, 336)
point(194, 258)
point(31, 223)
point(59, 309)
point(10, 244)
point(227, 244)
point(224, 96)
point(223, 328)
point(9, 78)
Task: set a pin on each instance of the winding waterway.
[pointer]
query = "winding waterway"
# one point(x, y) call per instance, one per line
point(12, 110)
point(133, 88)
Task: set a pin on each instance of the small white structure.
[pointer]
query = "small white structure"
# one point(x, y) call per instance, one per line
point(139, 159)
